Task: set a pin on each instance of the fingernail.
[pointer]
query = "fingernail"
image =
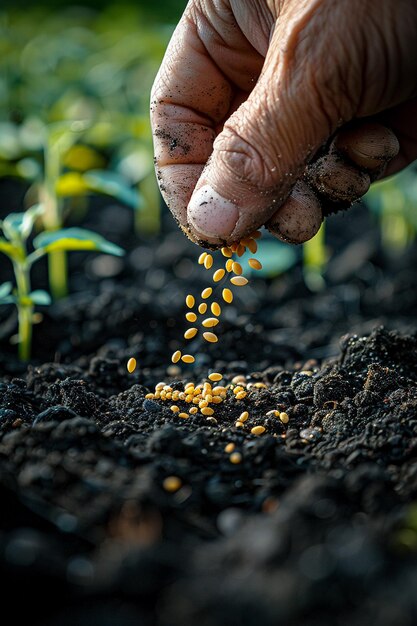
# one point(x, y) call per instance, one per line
point(211, 215)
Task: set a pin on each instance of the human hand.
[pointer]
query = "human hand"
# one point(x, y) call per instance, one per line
point(279, 111)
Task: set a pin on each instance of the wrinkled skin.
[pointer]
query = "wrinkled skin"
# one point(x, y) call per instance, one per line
point(250, 91)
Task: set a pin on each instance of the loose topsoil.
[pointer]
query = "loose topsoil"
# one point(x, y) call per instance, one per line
point(316, 525)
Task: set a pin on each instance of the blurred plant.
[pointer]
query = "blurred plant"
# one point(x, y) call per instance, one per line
point(315, 259)
point(17, 228)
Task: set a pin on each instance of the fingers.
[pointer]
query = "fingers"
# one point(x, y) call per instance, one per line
point(299, 218)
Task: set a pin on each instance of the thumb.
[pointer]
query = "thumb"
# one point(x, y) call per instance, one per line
point(265, 145)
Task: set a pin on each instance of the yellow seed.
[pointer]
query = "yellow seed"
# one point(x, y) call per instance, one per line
point(255, 264)
point(190, 301)
point(227, 252)
point(150, 396)
point(184, 416)
point(258, 430)
point(181, 395)
point(207, 411)
point(193, 410)
point(284, 417)
point(218, 275)
point(172, 484)
point(175, 408)
point(169, 396)
point(243, 416)
point(210, 322)
point(206, 293)
point(253, 246)
point(240, 250)
point(229, 447)
point(191, 317)
point(227, 295)
point(175, 395)
point(237, 389)
point(157, 395)
point(216, 400)
point(237, 268)
point(210, 337)
point(235, 458)
point(241, 395)
point(202, 258)
point(234, 247)
point(190, 333)
point(218, 389)
point(260, 385)
point(159, 386)
point(131, 365)
point(187, 358)
point(215, 376)
point(176, 356)
point(208, 261)
point(239, 281)
point(208, 397)
point(256, 234)
point(202, 308)
point(229, 265)
point(188, 385)
point(239, 424)
point(196, 399)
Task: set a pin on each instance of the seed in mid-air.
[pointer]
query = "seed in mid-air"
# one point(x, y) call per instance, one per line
point(227, 252)
point(202, 308)
point(210, 322)
point(190, 333)
point(239, 281)
point(237, 268)
point(190, 301)
point(235, 458)
point(215, 376)
point(227, 295)
point(191, 317)
point(255, 264)
point(229, 265)
point(218, 275)
point(187, 358)
point(176, 356)
point(172, 484)
point(206, 293)
point(229, 447)
point(131, 365)
point(202, 258)
point(253, 246)
point(208, 261)
point(210, 337)
point(215, 309)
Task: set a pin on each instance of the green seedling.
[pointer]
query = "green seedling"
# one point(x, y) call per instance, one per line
point(315, 260)
point(17, 227)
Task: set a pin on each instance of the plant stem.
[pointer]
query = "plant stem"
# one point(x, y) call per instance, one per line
point(24, 309)
point(58, 274)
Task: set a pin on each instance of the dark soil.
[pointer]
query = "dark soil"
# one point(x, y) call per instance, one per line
point(316, 526)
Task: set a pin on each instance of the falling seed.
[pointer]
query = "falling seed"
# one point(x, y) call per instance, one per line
point(243, 416)
point(190, 301)
point(190, 333)
point(210, 337)
point(201, 258)
point(218, 275)
point(210, 322)
point(206, 293)
point(235, 458)
point(175, 408)
point(191, 317)
point(215, 376)
point(227, 252)
point(239, 281)
point(172, 484)
point(176, 356)
point(208, 261)
point(229, 447)
point(184, 416)
point(227, 295)
point(240, 250)
point(202, 308)
point(284, 417)
point(258, 430)
point(187, 358)
point(237, 268)
point(253, 246)
point(256, 234)
point(131, 365)
point(255, 264)
point(215, 309)
point(229, 265)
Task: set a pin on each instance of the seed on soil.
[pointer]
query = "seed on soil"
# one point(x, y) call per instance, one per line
point(191, 317)
point(229, 447)
point(272, 412)
point(210, 337)
point(237, 380)
point(206, 293)
point(235, 458)
point(184, 416)
point(260, 385)
point(229, 265)
point(202, 258)
point(131, 365)
point(239, 281)
point(237, 268)
point(215, 309)
point(255, 264)
point(208, 261)
point(190, 301)
point(215, 376)
point(202, 308)
point(227, 252)
point(207, 411)
point(218, 275)
point(210, 322)
point(258, 430)
point(241, 395)
point(239, 424)
point(149, 396)
point(175, 408)
point(187, 358)
point(190, 333)
point(172, 484)
point(227, 295)
point(284, 418)
point(243, 416)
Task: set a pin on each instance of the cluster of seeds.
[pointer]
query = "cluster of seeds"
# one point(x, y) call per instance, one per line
point(231, 271)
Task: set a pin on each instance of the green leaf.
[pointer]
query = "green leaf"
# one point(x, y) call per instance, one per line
point(40, 297)
point(75, 239)
point(5, 290)
point(19, 225)
point(114, 185)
